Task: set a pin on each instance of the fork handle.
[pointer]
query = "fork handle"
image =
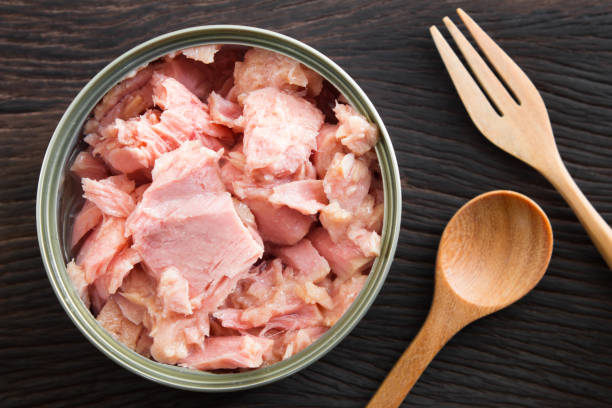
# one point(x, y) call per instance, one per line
point(597, 228)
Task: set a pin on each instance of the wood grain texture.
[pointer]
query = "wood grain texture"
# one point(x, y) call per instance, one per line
point(553, 348)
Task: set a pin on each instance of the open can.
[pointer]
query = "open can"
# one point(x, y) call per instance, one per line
point(57, 198)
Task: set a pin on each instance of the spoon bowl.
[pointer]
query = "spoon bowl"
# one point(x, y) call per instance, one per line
point(493, 251)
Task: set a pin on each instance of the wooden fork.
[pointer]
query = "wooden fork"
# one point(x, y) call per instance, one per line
point(523, 128)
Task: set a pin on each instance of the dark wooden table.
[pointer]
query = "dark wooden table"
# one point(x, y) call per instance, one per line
point(551, 349)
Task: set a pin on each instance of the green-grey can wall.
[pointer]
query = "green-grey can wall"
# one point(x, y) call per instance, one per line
point(56, 198)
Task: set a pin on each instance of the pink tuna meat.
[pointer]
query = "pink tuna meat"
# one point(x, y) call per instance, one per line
point(270, 294)
point(298, 340)
point(77, 276)
point(304, 259)
point(262, 68)
point(186, 220)
point(88, 217)
point(280, 131)
point(101, 247)
point(279, 224)
point(225, 112)
point(119, 326)
point(202, 236)
point(193, 75)
point(305, 196)
point(354, 131)
point(229, 352)
point(127, 94)
point(173, 290)
point(203, 53)
point(343, 294)
point(175, 335)
point(238, 155)
point(111, 195)
point(347, 181)
point(184, 114)
point(344, 257)
point(327, 147)
point(132, 145)
point(108, 283)
point(282, 301)
point(87, 166)
point(312, 294)
point(306, 316)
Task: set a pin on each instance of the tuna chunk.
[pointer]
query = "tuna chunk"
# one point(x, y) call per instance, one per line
point(195, 76)
point(280, 132)
point(226, 113)
point(172, 334)
point(139, 289)
point(304, 259)
point(216, 293)
point(175, 335)
point(139, 191)
point(343, 294)
point(144, 343)
point(184, 114)
point(279, 224)
point(347, 181)
point(115, 323)
point(190, 169)
point(133, 312)
point(203, 53)
point(336, 220)
point(305, 196)
point(262, 68)
point(312, 294)
point(106, 241)
point(368, 242)
point(283, 301)
point(233, 168)
point(327, 147)
point(87, 166)
point(128, 98)
point(306, 316)
point(298, 340)
point(269, 294)
point(111, 195)
point(354, 131)
point(132, 145)
point(173, 290)
point(77, 277)
point(248, 219)
point(186, 220)
point(88, 217)
point(361, 227)
point(229, 352)
point(254, 288)
point(344, 257)
point(201, 235)
point(108, 283)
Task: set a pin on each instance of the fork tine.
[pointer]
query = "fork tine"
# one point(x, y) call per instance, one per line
point(507, 68)
point(499, 95)
point(475, 102)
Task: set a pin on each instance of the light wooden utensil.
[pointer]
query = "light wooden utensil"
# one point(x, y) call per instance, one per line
point(493, 251)
point(523, 128)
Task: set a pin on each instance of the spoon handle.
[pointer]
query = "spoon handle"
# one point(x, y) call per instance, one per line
point(428, 342)
point(597, 228)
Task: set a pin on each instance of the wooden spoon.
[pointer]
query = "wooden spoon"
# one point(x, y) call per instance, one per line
point(493, 251)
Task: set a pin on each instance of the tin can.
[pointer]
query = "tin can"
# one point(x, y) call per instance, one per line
point(57, 198)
